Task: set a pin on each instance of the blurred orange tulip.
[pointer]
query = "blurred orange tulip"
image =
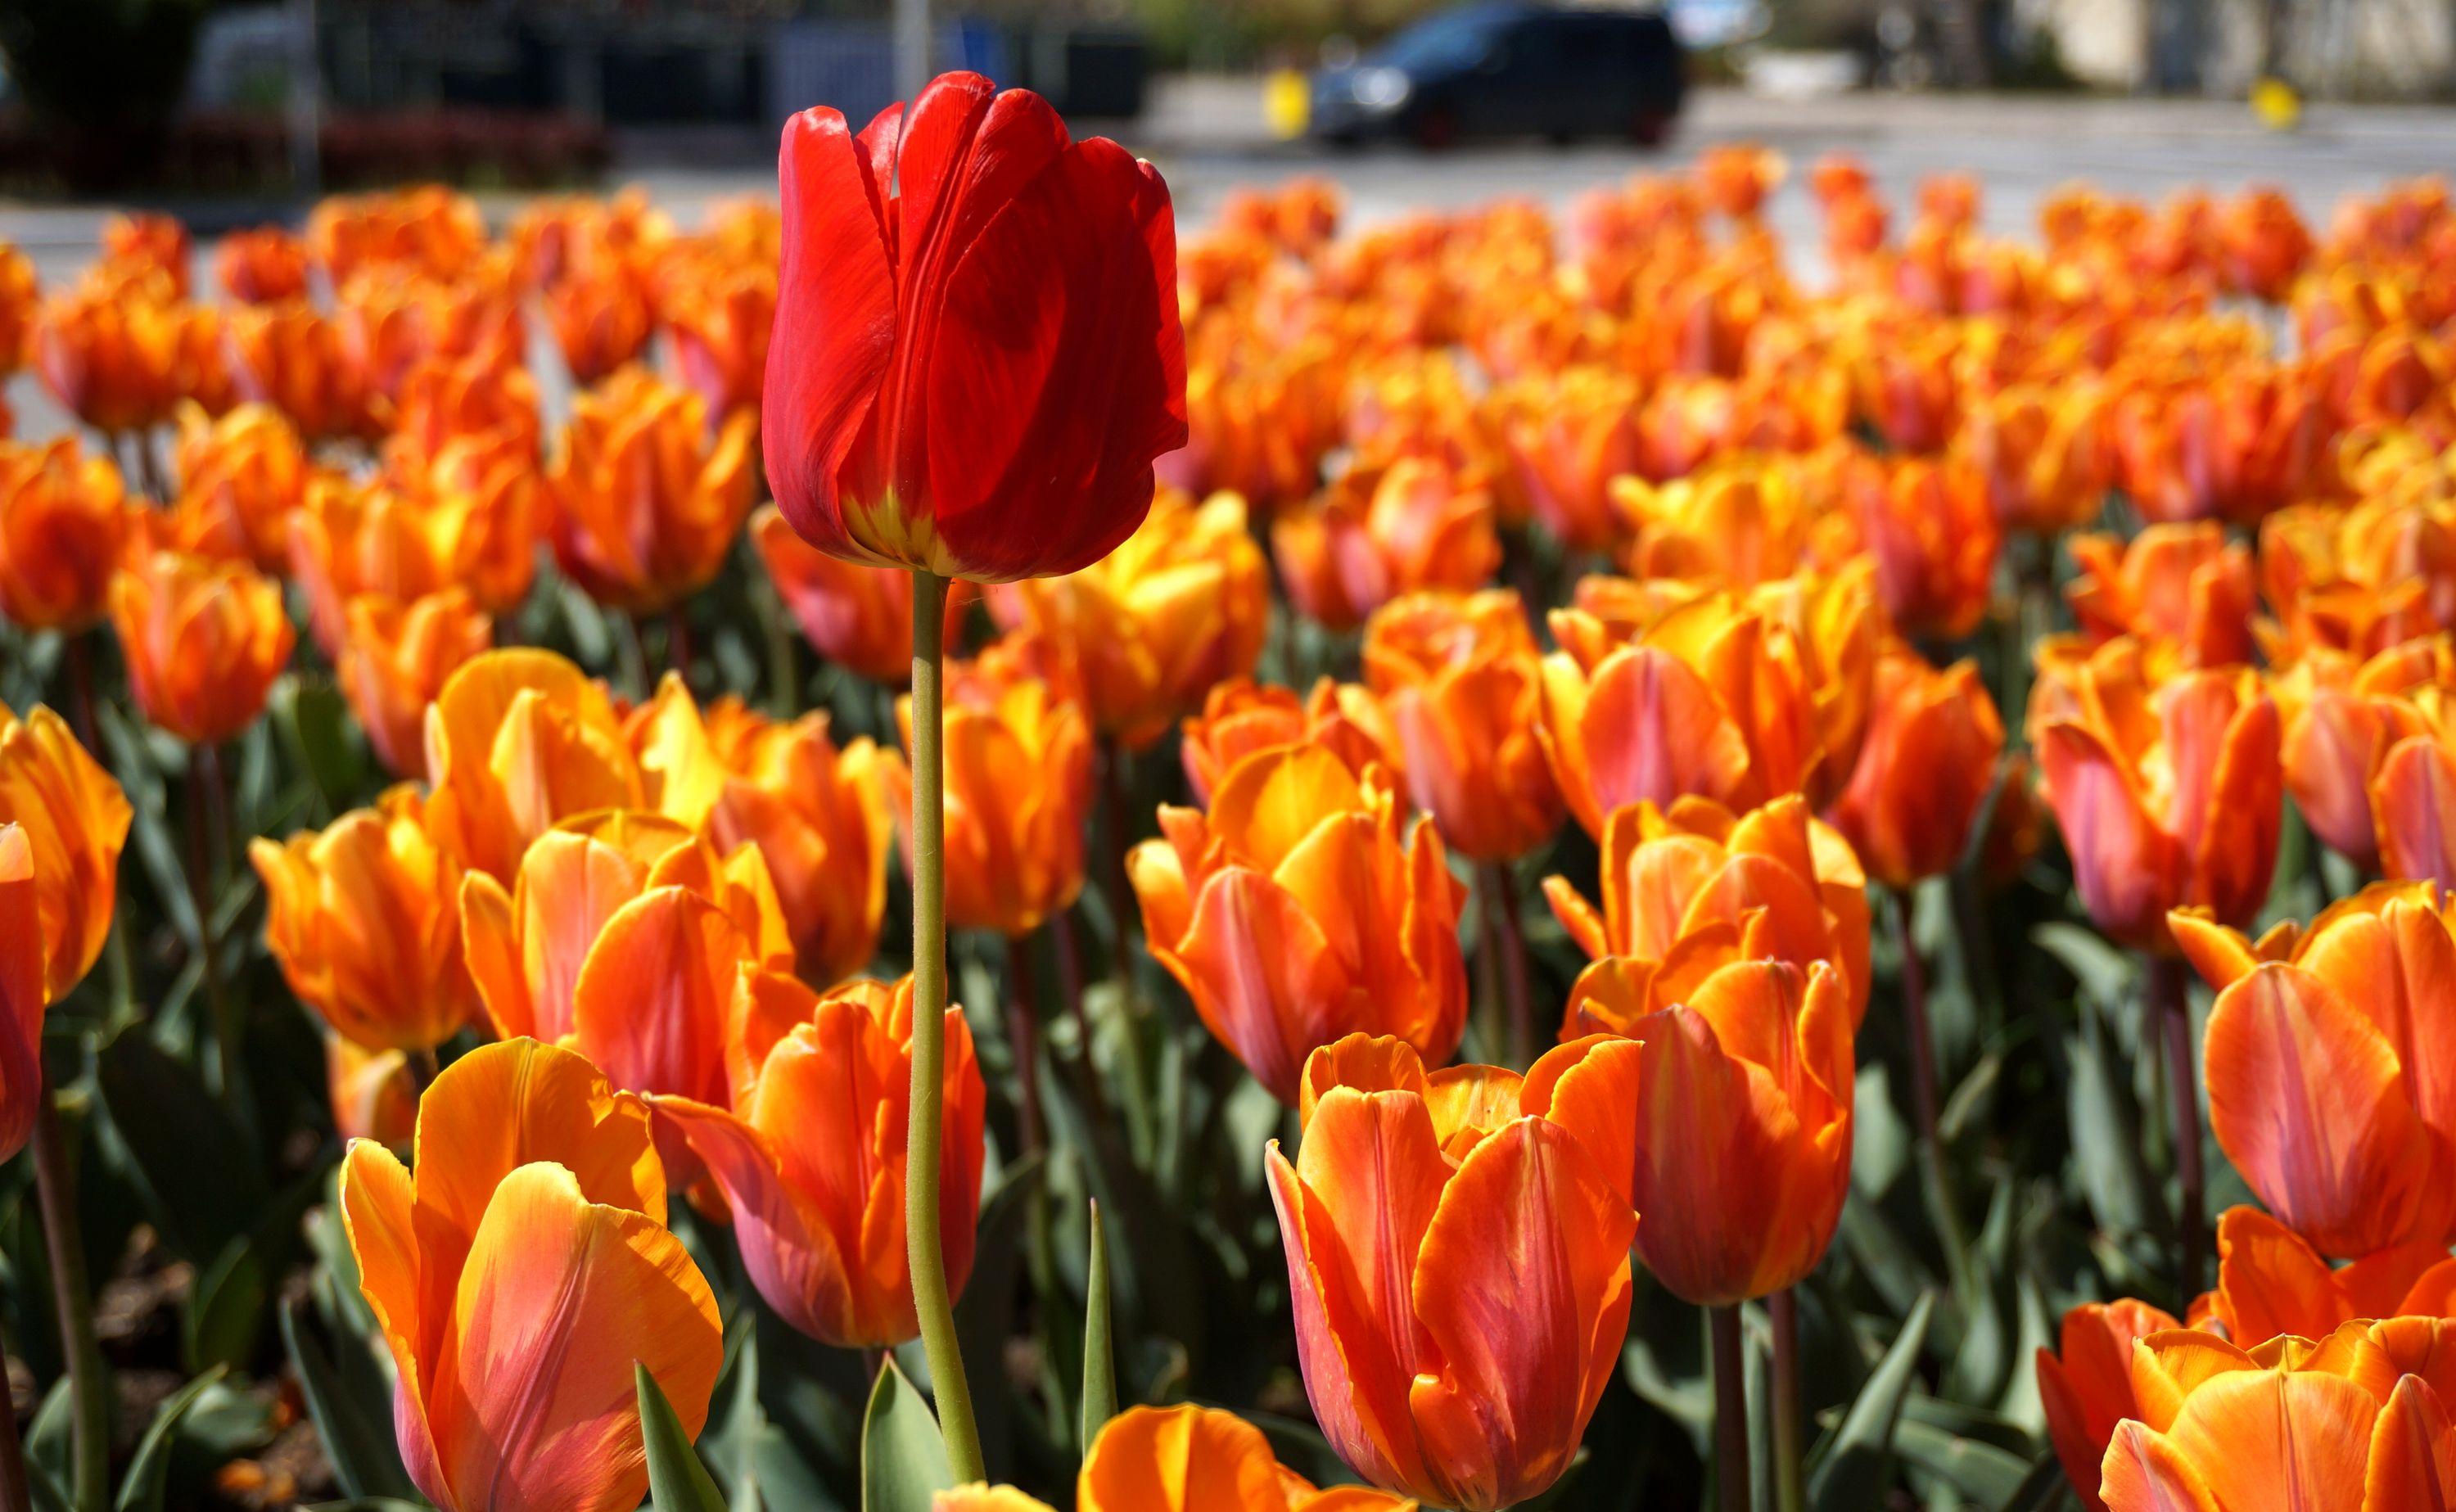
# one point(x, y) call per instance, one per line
point(620, 938)
point(1145, 632)
point(1375, 535)
point(1241, 716)
point(350, 538)
point(2043, 451)
point(818, 814)
point(117, 360)
point(1018, 795)
point(1695, 887)
point(2344, 723)
point(1931, 758)
point(517, 742)
point(394, 662)
point(364, 919)
point(1459, 1262)
point(717, 317)
point(75, 820)
point(1738, 523)
point(1572, 433)
point(2178, 583)
point(448, 399)
point(394, 317)
point(645, 504)
point(810, 1151)
point(64, 526)
point(2231, 447)
point(292, 357)
point(2331, 1065)
point(1932, 536)
point(266, 265)
point(24, 991)
point(1737, 698)
point(2085, 1385)
point(136, 245)
point(2353, 1423)
point(1727, 1119)
point(203, 640)
point(2271, 1281)
point(2168, 789)
point(426, 227)
point(372, 1093)
point(1295, 914)
point(1180, 1459)
point(600, 314)
point(1462, 679)
point(855, 616)
point(1737, 176)
point(517, 1275)
point(242, 477)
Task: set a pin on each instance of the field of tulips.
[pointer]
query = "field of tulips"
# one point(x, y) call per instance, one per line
point(1503, 860)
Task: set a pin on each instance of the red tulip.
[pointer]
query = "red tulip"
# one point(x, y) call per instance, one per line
point(977, 338)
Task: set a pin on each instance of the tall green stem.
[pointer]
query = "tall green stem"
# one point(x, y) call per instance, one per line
point(2170, 1002)
point(88, 1393)
point(1790, 1437)
point(1730, 1410)
point(1933, 1172)
point(1503, 939)
point(925, 1249)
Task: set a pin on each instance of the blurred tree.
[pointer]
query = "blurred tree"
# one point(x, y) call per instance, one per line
point(104, 74)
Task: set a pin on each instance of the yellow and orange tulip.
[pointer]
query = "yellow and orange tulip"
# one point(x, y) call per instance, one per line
point(1241, 716)
point(2085, 1384)
point(1924, 773)
point(855, 616)
point(645, 504)
point(64, 526)
point(75, 820)
point(394, 662)
point(1461, 677)
point(2178, 583)
point(203, 640)
point(1410, 526)
point(517, 742)
point(1180, 1459)
point(2271, 1281)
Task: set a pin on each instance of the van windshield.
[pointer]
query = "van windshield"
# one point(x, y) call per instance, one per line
point(1452, 40)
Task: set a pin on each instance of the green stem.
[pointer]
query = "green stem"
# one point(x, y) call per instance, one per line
point(2169, 999)
point(1790, 1440)
point(924, 1248)
point(1507, 947)
point(1943, 1208)
point(204, 774)
point(89, 1392)
point(1730, 1410)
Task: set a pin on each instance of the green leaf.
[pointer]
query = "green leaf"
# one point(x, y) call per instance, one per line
point(314, 723)
point(2106, 1124)
point(365, 1458)
point(1978, 1471)
point(218, 1323)
point(1849, 1475)
point(903, 1460)
point(142, 1491)
point(2043, 1489)
point(200, 1182)
point(1100, 1354)
point(677, 1481)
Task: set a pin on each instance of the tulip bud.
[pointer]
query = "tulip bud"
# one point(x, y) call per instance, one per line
point(203, 640)
point(64, 526)
point(1461, 677)
point(645, 504)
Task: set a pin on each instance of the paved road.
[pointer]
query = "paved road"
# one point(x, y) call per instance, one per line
point(1208, 137)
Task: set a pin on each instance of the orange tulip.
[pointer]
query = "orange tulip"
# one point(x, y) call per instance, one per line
point(517, 742)
point(859, 617)
point(484, 506)
point(2232, 447)
point(1462, 679)
point(115, 359)
point(395, 661)
point(1739, 523)
point(2179, 582)
point(75, 820)
point(2331, 1065)
point(1572, 433)
point(2354, 1422)
point(1375, 535)
point(1695, 887)
point(292, 357)
point(1180, 1459)
point(645, 504)
point(394, 317)
point(717, 319)
point(1241, 716)
point(1295, 914)
point(2085, 1385)
point(517, 1275)
point(242, 477)
point(1930, 760)
point(138, 245)
point(2344, 722)
point(266, 265)
point(20, 296)
point(817, 813)
point(1147, 630)
point(203, 640)
point(1018, 793)
point(1932, 536)
point(1737, 176)
point(600, 314)
point(63, 524)
point(809, 1151)
point(2043, 451)
point(1737, 698)
point(350, 538)
point(429, 228)
point(2168, 789)
point(2270, 1281)
point(620, 938)
point(448, 399)
point(1259, 424)
point(1459, 1258)
point(1726, 1115)
point(25, 989)
point(372, 1091)
point(364, 918)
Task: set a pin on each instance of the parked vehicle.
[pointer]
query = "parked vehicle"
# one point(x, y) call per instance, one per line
point(1508, 67)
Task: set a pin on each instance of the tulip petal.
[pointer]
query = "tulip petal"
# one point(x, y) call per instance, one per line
point(651, 1000)
point(2263, 1438)
point(534, 1407)
point(2413, 800)
point(22, 990)
point(2122, 863)
point(2412, 1454)
point(1263, 975)
point(2271, 1282)
point(378, 1214)
point(1653, 731)
point(2144, 1472)
point(791, 1251)
point(2306, 1098)
point(1183, 1459)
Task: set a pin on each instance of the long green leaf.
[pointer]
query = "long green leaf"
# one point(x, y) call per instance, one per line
point(142, 1491)
point(1100, 1354)
point(677, 1481)
point(903, 1461)
point(1850, 1474)
point(365, 1459)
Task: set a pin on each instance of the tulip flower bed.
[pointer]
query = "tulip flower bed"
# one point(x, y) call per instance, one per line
point(1640, 883)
